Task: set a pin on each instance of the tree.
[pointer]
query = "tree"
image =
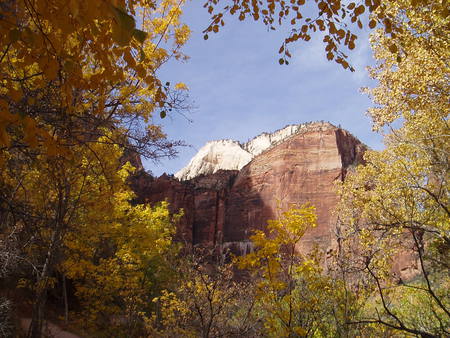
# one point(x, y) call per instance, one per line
point(293, 295)
point(72, 217)
point(208, 301)
point(118, 259)
point(79, 85)
point(98, 67)
point(338, 20)
point(398, 202)
point(5, 318)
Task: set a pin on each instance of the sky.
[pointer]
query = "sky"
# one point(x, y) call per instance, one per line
point(239, 90)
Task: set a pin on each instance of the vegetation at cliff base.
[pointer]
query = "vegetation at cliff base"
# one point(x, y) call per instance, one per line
point(80, 101)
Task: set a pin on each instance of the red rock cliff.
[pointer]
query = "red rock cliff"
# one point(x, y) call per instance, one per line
point(301, 169)
point(223, 208)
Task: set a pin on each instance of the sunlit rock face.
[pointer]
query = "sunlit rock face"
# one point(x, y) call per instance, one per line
point(271, 172)
point(214, 156)
point(265, 141)
point(232, 155)
point(300, 169)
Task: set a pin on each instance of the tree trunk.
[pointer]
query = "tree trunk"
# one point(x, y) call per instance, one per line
point(66, 303)
point(37, 318)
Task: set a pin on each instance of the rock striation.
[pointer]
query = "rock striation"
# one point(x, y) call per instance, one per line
point(232, 155)
point(295, 165)
point(215, 156)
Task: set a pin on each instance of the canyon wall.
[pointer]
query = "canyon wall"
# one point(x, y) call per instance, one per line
point(222, 208)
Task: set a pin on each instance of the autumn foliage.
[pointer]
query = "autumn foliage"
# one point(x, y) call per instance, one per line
point(80, 98)
point(399, 201)
point(79, 87)
point(95, 60)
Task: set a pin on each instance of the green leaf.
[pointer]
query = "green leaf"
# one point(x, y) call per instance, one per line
point(139, 35)
point(162, 114)
point(125, 20)
point(123, 28)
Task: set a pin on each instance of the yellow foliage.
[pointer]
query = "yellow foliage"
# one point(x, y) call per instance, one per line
point(292, 294)
point(80, 220)
point(87, 51)
point(398, 202)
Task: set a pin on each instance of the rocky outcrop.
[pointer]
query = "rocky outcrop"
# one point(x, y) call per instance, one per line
point(202, 200)
point(302, 169)
point(232, 155)
point(224, 208)
point(215, 156)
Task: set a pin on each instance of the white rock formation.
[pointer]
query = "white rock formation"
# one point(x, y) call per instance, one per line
point(265, 140)
point(232, 155)
point(215, 155)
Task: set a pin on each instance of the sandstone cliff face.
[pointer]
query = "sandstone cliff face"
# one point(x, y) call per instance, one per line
point(301, 169)
point(202, 200)
point(232, 155)
point(223, 208)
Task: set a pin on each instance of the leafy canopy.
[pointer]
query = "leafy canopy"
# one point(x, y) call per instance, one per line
point(337, 20)
point(293, 296)
point(397, 205)
point(99, 58)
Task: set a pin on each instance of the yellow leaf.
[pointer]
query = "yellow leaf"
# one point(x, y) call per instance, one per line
point(181, 86)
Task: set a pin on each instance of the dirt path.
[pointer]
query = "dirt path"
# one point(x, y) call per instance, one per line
point(50, 329)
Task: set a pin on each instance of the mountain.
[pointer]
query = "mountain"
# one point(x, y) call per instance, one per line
point(232, 155)
point(294, 165)
point(215, 156)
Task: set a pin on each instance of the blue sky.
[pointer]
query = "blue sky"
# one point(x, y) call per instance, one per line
point(239, 90)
